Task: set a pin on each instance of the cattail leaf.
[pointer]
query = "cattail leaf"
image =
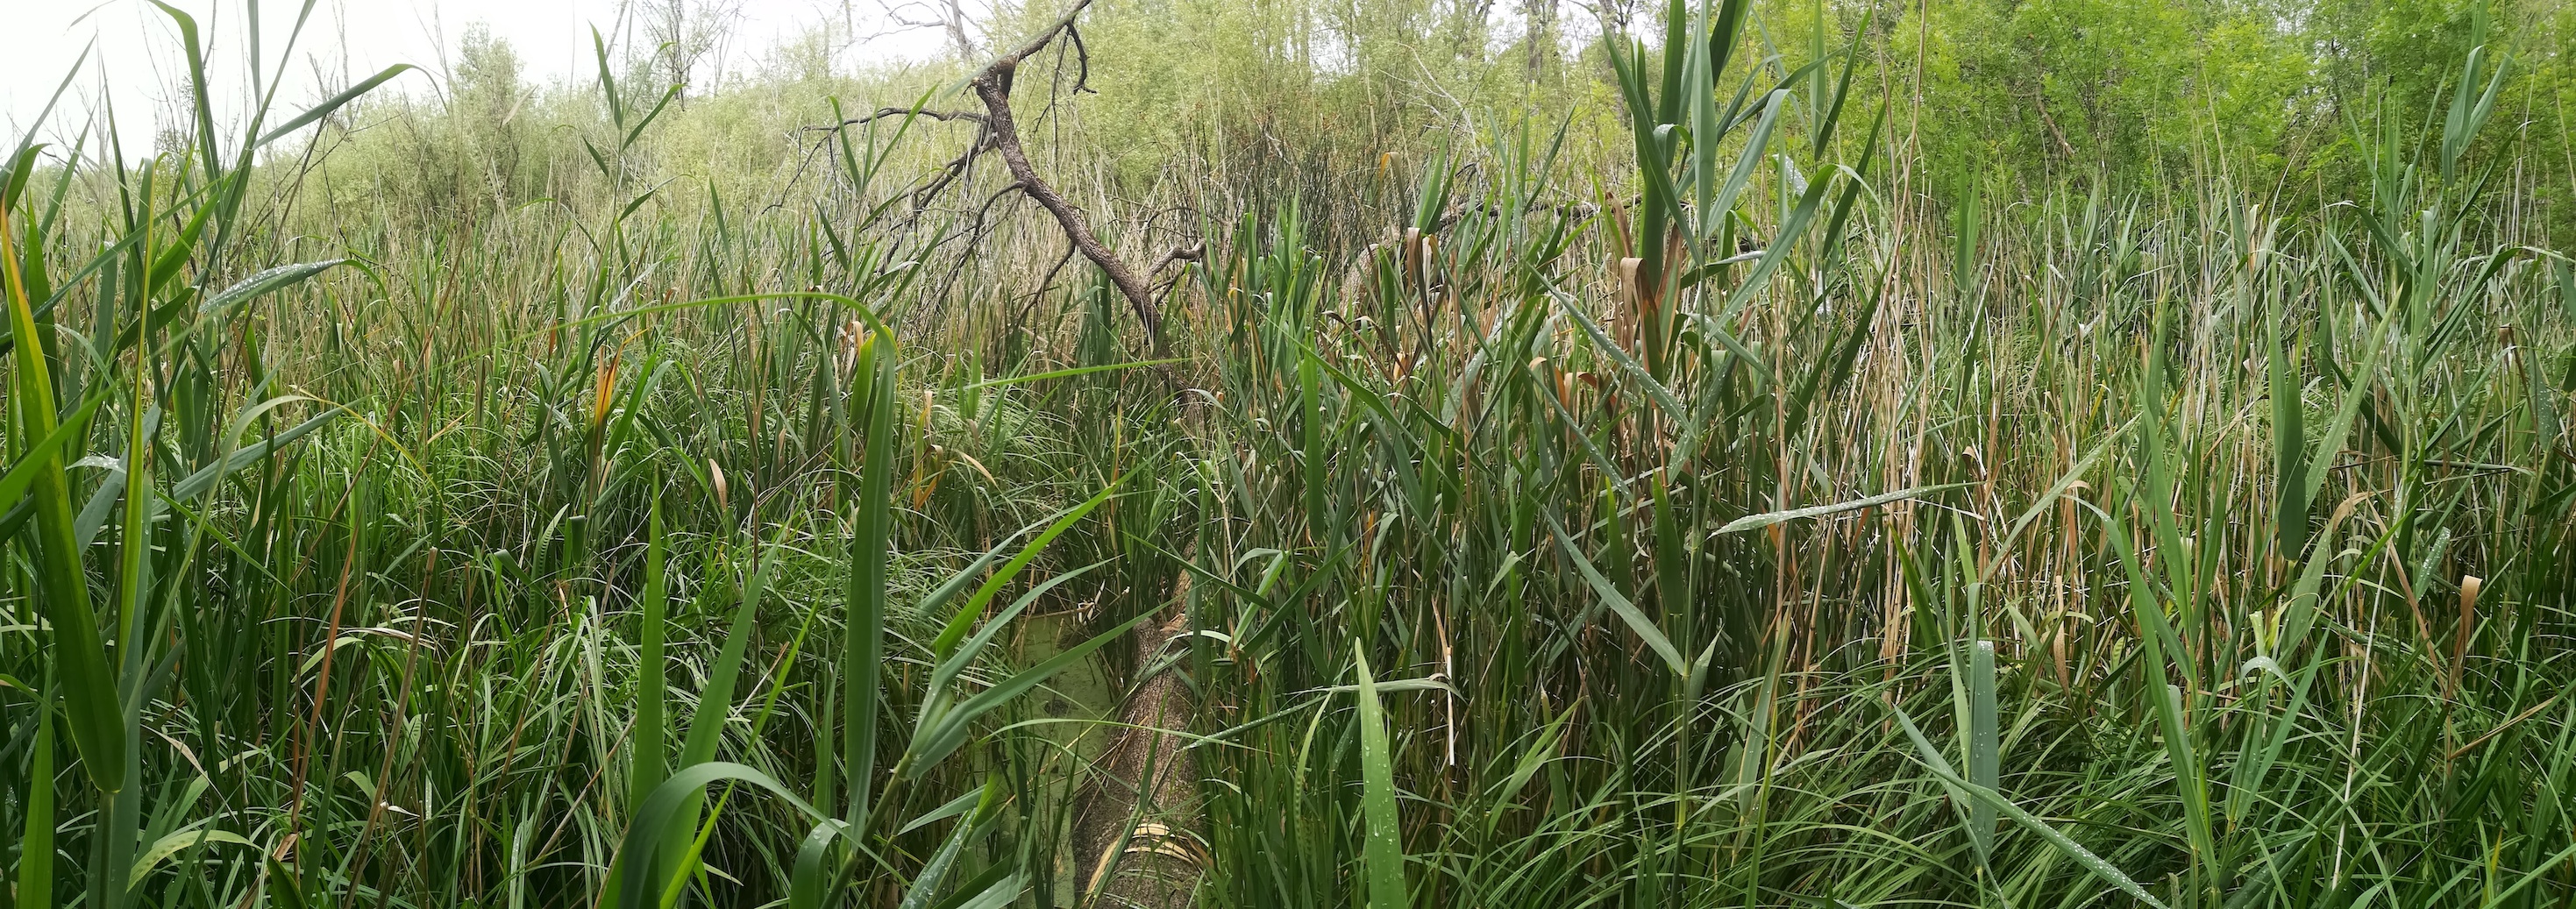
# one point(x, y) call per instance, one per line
point(811, 874)
point(196, 484)
point(872, 408)
point(925, 886)
point(1931, 759)
point(957, 660)
point(1768, 518)
point(23, 473)
point(938, 736)
point(334, 103)
point(80, 658)
point(267, 281)
point(653, 820)
point(170, 845)
point(1627, 611)
point(651, 746)
point(35, 887)
point(1984, 746)
point(963, 621)
point(1382, 849)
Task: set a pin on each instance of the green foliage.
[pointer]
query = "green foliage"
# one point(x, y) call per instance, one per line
point(1638, 497)
point(2089, 90)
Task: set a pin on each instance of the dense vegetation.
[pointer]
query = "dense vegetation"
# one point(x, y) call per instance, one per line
point(2014, 454)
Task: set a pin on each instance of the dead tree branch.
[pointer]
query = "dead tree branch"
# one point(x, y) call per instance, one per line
point(1190, 254)
point(993, 87)
point(884, 112)
point(997, 130)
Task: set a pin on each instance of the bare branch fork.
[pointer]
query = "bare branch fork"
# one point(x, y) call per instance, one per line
point(921, 196)
point(993, 87)
point(997, 130)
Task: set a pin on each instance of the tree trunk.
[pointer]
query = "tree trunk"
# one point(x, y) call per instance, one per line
point(1136, 836)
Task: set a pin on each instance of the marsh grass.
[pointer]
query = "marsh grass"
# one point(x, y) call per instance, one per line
point(1718, 527)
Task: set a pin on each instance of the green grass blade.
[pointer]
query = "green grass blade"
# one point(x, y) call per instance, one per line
point(2321, 463)
point(36, 846)
point(1766, 519)
point(1984, 747)
point(2162, 654)
point(168, 846)
point(1071, 372)
point(864, 601)
point(2289, 443)
point(1931, 758)
point(263, 283)
point(1311, 456)
point(963, 621)
point(940, 735)
point(1382, 852)
point(705, 734)
point(957, 662)
point(1619, 603)
point(813, 869)
point(655, 819)
point(80, 658)
point(652, 689)
point(23, 474)
point(196, 484)
point(715, 700)
point(925, 886)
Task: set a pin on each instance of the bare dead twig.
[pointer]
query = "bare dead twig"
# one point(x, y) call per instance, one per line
point(884, 112)
point(921, 196)
point(948, 173)
point(1081, 59)
point(1190, 254)
point(1021, 306)
point(974, 233)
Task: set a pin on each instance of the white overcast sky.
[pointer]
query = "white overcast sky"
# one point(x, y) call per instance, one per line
point(135, 57)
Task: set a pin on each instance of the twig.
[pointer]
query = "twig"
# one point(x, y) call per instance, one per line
point(834, 129)
point(1191, 254)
